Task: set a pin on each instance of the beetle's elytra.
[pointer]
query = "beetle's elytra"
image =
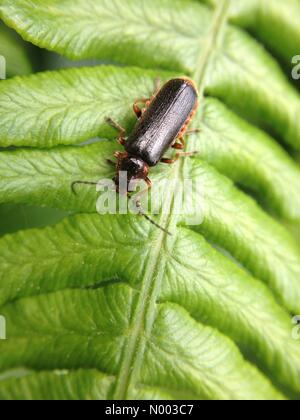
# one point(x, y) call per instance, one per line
point(162, 123)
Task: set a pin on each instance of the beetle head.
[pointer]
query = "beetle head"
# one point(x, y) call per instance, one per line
point(135, 167)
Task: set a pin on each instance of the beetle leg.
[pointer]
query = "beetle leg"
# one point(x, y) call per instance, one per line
point(115, 125)
point(138, 110)
point(82, 183)
point(121, 140)
point(192, 131)
point(149, 182)
point(119, 128)
point(177, 156)
point(168, 161)
point(120, 155)
point(179, 145)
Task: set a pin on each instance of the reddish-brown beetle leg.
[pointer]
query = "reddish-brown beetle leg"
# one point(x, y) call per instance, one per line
point(149, 183)
point(122, 140)
point(179, 145)
point(138, 110)
point(168, 161)
point(120, 155)
point(119, 128)
point(192, 131)
point(177, 156)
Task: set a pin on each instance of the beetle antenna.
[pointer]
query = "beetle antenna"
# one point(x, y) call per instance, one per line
point(142, 213)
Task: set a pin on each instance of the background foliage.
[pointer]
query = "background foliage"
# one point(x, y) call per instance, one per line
point(107, 306)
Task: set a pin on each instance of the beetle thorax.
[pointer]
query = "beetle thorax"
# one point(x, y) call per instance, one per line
point(135, 167)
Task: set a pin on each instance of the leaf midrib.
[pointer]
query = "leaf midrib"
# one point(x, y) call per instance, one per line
point(133, 350)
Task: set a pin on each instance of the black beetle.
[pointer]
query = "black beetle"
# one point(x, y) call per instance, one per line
point(162, 123)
